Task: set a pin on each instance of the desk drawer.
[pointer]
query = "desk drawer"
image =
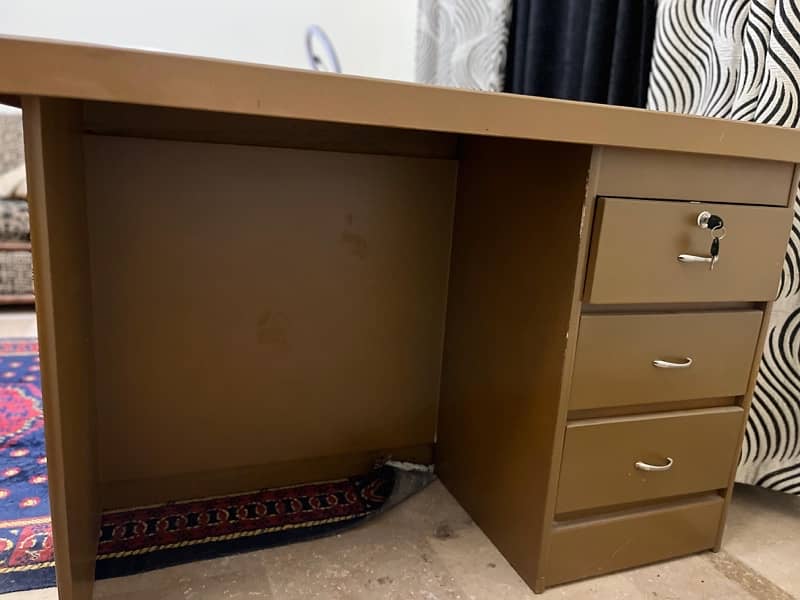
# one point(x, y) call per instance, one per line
point(598, 546)
point(636, 243)
point(614, 364)
point(599, 469)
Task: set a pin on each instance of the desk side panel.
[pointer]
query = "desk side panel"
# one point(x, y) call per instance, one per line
point(510, 306)
point(54, 156)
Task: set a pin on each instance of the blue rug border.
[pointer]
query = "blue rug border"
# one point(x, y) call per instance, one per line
point(24, 581)
point(108, 568)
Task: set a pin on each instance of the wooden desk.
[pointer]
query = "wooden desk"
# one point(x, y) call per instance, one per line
point(251, 276)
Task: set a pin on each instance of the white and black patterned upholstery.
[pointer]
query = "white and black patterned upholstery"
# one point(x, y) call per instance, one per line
point(462, 43)
point(740, 59)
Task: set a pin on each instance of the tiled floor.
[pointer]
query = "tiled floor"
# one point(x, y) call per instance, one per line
point(429, 549)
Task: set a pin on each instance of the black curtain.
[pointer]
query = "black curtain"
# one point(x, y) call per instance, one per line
point(592, 50)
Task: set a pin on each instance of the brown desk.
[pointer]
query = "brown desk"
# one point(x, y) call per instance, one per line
point(250, 276)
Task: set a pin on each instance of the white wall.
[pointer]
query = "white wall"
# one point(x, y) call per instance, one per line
point(372, 37)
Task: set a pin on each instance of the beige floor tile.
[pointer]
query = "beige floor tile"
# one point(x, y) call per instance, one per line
point(689, 578)
point(240, 576)
point(390, 558)
point(17, 324)
point(48, 594)
point(763, 532)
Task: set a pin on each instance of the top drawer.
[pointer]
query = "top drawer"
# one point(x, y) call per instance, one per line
point(636, 173)
point(636, 243)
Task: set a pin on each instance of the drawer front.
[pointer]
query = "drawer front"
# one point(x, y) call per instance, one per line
point(614, 363)
point(636, 173)
point(636, 243)
point(595, 547)
point(598, 467)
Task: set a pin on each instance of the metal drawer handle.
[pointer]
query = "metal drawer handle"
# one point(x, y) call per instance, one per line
point(643, 466)
point(667, 364)
point(693, 258)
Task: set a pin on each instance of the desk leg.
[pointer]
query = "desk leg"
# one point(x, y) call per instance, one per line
point(54, 157)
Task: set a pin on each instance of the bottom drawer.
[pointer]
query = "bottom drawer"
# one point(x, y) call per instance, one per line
point(598, 546)
point(601, 463)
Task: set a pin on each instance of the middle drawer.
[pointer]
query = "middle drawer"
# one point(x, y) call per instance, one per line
point(625, 360)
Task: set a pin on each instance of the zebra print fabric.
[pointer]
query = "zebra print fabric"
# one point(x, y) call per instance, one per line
point(740, 59)
point(462, 43)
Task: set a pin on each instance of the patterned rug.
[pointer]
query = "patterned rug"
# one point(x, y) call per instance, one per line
point(142, 539)
point(26, 549)
point(132, 541)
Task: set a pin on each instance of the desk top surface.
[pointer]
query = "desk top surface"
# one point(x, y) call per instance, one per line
point(68, 70)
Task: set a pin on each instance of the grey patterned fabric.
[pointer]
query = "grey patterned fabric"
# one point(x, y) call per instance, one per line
point(15, 222)
point(12, 157)
point(11, 149)
point(16, 273)
point(462, 43)
point(740, 59)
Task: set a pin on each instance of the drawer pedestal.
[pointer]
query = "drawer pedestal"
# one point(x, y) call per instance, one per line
point(591, 418)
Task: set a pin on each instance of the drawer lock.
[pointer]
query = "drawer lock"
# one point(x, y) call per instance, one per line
point(643, 466)
point(705, 220)
point(716, 226)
